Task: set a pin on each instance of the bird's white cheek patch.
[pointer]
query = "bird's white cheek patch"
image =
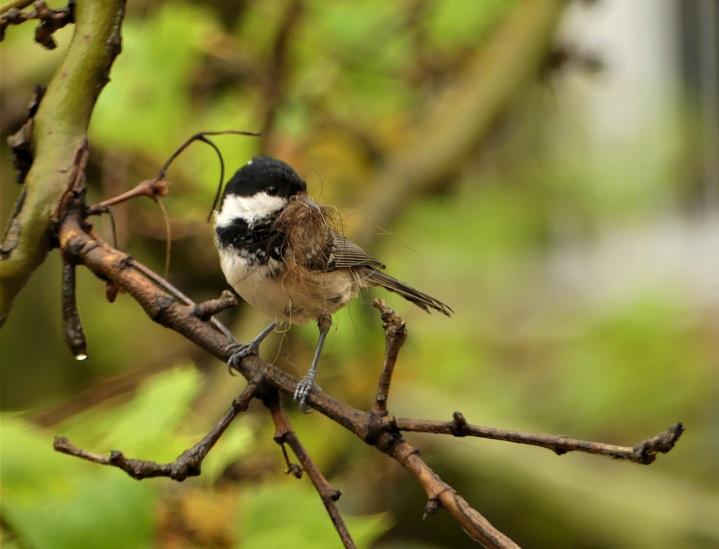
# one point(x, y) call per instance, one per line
point(248, 208)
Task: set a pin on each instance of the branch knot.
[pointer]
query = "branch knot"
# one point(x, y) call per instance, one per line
point(375, 427)
point(646, 451)
point(459, 424)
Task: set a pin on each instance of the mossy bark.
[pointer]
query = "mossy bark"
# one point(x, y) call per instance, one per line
point(59, 141)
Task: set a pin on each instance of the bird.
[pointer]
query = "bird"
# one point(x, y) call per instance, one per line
point(282, 253)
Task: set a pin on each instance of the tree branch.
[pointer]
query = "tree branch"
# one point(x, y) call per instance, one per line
point(187, 464)
point(441, 494)
point(71, 324)
point(50, 19)
point(644, 452)
point(395, 335)
point(207, 309)
point(14, 5)
point(284, 434)
point(112, 264)
point(59, 139)
point(151, 188)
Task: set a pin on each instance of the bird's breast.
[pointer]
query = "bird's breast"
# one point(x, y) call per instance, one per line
point(287, 296)
point(258, 284)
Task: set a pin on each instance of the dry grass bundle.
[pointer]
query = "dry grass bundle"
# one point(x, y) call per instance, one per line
point(309, 230)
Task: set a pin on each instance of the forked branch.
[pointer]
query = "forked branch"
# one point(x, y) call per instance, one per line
point(187, 464)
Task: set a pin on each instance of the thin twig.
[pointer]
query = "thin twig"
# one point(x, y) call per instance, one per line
point(71, 324)
point(441, 494)
point(385, 435)
point(284, 434)
point(50, 19)
point(206, 309)
point(177, 293)
point(187, 464)
point(168, 238)
point(152, 188)
point(158, 186)
point(202, 137)
point(644, 452)
point(395, 334)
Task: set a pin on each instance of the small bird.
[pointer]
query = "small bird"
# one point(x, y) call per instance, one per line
point(282, 254)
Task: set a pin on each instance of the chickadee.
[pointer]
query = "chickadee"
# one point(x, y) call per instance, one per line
point(279, 250)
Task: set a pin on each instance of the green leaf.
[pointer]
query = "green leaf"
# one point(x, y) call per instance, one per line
point(55, 501)
point(291, 514)
point(150, 82)
point(235, 443)
point(146, 425)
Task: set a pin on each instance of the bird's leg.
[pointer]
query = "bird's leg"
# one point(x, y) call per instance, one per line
point(238, 351)
point(305, 385)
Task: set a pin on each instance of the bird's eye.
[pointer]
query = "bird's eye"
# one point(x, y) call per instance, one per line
point(271, 189)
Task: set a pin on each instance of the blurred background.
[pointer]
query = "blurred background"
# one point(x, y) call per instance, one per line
point(548, 168)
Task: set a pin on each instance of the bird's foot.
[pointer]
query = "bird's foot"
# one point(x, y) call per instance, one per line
point(303, 389)
point(238, 351)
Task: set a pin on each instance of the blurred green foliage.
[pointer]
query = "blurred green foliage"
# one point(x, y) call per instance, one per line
point(526, 349)
point(51, 503)
point(282, 515)
point(83, 505)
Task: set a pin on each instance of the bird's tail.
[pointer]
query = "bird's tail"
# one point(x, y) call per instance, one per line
point(422, 300)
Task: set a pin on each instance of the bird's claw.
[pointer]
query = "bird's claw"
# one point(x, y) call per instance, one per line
point(303, 389)
point(238, 351)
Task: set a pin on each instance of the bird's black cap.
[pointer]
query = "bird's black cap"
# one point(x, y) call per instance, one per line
point(265, 174)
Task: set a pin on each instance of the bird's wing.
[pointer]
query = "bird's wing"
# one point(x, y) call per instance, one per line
point(345, 254)
point(342, 253)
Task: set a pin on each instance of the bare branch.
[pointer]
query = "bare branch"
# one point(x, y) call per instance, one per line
point(50, 19)
point(161, 307)
point(284, 434)
point(71, 324)
point(441, 494)
point(207, 309)
point(395, 334)
point(644, 452)
point(14, 5)
point(187, 464)
point(151, 188)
